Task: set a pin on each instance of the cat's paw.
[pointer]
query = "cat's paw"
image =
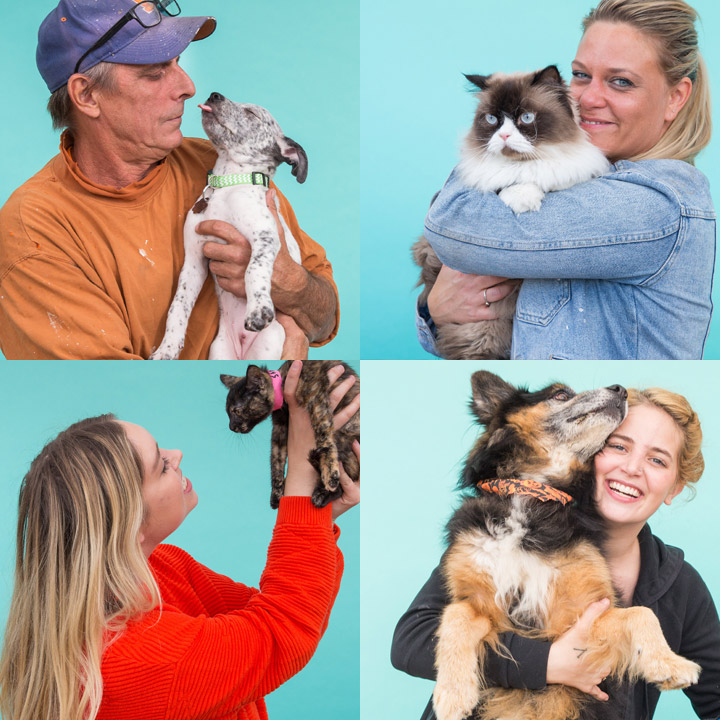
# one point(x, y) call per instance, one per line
point(522, 197)
point(259, 319)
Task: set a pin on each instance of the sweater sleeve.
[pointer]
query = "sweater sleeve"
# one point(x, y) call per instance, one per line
point(413, 645)
point(172, 665)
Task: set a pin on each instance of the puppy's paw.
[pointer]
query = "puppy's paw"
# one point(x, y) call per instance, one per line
point(673, 672)
point(259, 319)
point(454, 701)
point(164, 354)
point(522, 198)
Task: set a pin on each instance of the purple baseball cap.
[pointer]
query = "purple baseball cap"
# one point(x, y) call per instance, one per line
point(74, 26)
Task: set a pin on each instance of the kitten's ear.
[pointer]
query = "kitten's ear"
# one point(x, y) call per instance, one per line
point(480, 81)
point(548, 76)
point(255, 376)
point(488, 392)
point(228, 380)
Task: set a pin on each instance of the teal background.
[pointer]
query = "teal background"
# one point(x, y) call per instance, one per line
point(298, 58)
point(414, 454)
point(415, 109)
point(183, 406)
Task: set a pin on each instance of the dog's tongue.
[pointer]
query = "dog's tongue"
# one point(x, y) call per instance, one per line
point(206, 108)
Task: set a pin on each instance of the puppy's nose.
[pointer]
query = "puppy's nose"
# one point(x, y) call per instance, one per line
point(619, 390)
point(215, 97)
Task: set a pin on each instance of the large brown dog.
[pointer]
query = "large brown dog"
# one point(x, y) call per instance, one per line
point(524, 556)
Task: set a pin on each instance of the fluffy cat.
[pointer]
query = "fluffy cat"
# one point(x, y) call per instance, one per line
point(524, 142)
point(254, 397)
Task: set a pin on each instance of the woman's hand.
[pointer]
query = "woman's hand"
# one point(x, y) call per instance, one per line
point(301, 475)
point(460, 298)
point(565, 662)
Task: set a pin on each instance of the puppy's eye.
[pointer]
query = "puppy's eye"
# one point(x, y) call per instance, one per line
point(491, 119)
point(561, 395)
point(527, 118)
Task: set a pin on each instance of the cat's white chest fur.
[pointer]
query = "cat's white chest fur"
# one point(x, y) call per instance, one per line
point(522, 182)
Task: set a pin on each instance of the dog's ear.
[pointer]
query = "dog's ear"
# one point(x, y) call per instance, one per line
point(293, 154)
point(228, 380)
point(489, 392)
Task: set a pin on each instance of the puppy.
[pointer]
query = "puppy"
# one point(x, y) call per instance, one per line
point(524, 555)
point(250, 146)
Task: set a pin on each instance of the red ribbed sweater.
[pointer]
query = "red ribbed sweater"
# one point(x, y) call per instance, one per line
point(217, 647)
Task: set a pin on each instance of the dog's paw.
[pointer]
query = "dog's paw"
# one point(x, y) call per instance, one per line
point(163, 354)
point(259, 319)
point(454, 701)
point(673, 672)
point(523, 197)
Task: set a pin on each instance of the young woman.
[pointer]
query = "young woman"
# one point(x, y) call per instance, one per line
point(106, 622)
point(647, 461)
point(619, 267)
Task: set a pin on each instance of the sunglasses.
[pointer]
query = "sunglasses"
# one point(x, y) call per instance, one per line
point(148, 13)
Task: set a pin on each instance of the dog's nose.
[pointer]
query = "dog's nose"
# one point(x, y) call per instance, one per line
point(215, 97)
point(619, 390)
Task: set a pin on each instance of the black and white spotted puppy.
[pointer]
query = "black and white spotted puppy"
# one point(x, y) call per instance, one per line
point(250, 146)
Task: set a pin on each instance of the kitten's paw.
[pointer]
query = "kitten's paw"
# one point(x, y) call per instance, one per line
point(259, 319)
point(522, 197)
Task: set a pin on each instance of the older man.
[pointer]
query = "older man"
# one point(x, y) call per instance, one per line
point(91, 246)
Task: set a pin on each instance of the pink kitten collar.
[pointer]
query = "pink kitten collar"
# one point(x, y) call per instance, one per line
point(277, 382)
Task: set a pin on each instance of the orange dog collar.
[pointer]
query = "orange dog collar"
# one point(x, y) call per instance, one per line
point(511, 486)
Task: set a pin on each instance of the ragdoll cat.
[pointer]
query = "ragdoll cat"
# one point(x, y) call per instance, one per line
point(524, 142)
point(258, 395)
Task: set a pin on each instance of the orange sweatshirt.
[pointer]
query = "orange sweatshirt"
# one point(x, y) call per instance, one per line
point(217, 647)
point(89, 272)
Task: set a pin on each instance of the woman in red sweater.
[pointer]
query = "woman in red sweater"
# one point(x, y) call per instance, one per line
point(105, 622)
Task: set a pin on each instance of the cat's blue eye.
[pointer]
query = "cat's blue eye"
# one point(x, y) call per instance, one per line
point(491, 119)
point(527, 118)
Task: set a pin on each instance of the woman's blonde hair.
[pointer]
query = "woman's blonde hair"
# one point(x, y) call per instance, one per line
point(690, 460)
point(671, 25)
point(80, 573)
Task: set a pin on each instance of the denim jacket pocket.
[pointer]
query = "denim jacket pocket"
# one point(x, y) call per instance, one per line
point(542, 300)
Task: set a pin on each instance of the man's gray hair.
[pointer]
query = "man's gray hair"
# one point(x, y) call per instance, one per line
point(60, 105)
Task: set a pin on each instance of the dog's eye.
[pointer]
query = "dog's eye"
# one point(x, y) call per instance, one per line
point(527, 118)
point(561, 395)
point(491, 119)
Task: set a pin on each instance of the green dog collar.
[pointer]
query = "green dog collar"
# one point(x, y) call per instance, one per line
point(253, 178)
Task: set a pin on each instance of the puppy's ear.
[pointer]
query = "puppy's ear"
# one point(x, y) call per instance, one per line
point(293, 154)
point(228, 380)
point(489, 392)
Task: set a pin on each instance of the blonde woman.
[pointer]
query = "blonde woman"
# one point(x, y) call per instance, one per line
point(619, 267)
point(648, 461)
point(106, 622)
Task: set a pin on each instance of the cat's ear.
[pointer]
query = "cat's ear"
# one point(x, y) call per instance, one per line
point(479, 81)
point(255, 376)
point(548, 76)
point(228, 380)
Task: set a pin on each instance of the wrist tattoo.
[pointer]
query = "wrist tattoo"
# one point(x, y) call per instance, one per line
point(580, 652)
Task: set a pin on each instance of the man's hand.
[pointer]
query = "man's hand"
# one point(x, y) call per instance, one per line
point(296, 343)
point(308, 299)
point(460, 298)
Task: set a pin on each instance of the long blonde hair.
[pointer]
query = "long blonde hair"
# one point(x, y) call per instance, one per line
point(671, 25)
point(690, 459)
point(80, 573)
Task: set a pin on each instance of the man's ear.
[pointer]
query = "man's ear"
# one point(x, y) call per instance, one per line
point(83, 95)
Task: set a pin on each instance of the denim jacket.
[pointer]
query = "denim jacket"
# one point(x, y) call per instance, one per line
point(619, 267)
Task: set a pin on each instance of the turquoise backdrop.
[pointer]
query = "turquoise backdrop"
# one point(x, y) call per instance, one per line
point(183, 406)
point(415, 109)
point(300, 59)
point(416, 433)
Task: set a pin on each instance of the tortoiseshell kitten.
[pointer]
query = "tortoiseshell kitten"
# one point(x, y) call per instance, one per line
point(253, 398)
point(524, 142)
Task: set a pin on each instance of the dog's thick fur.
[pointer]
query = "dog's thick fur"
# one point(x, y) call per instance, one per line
point(248, 140)
point(515, 563)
